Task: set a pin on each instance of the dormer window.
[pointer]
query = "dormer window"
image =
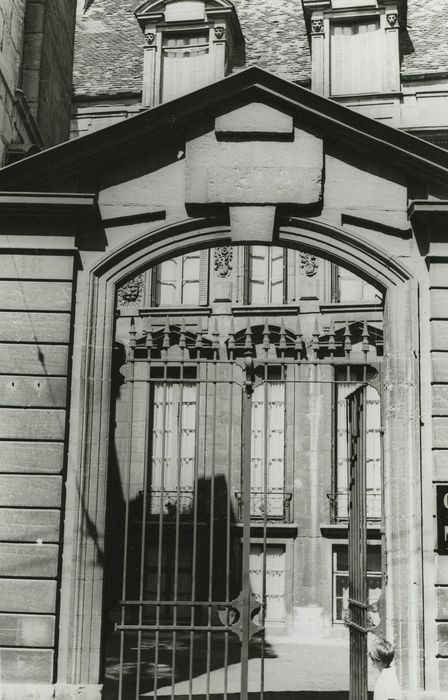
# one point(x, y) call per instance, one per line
point(189, 44)
point(356, 57)
point(185, 63)
point(354, 46)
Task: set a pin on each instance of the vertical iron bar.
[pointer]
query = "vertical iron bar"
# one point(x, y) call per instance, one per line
point(246, 486)
point(177, 526)
point(228, 530)
point(143, 529)
point(212, 519)
point(265, 523)
point(195, 532)
point(356, 421)
point(126, 524)
point(160, 543)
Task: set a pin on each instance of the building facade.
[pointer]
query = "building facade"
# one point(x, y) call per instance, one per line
point(36, 54)
point(223, 344)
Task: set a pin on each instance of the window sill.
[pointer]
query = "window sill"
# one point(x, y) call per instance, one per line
point(175, 311)
point(339, 531)
point(272, 529)
point(265, 310)
point(350, 307)
point(367, 96)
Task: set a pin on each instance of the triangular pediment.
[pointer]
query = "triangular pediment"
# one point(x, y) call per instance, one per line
point(151, 6)
point(170, 122)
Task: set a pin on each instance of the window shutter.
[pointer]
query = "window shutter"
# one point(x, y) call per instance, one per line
point(203, 277)
point(258, 274)
point(276, 276)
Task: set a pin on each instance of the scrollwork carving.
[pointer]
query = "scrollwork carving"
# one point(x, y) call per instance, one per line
point(223, 260)
point(308, 264)
point(131, 292)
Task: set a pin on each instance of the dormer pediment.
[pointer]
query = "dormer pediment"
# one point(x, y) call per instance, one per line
point(154, 12)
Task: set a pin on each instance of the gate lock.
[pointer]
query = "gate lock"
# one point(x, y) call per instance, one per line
point(232, 616)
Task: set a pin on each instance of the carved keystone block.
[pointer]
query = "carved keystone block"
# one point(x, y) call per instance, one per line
point(252, 223)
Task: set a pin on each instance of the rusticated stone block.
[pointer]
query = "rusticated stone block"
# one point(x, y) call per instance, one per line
point(439, 335)
point(440, 367)
point(440, 431)
point(442, 603)
point(439, 399)
point(253, 172)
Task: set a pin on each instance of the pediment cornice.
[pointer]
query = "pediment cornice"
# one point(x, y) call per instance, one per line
point(153, 12)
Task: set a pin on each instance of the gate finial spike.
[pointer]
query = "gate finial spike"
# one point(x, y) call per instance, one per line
point(282, 341)
point(347, 338)
point(365, 338)
point(315, 344)
point(132, 333)
point(266, 335)
point(215, 335)
point(166, 334)
point(199, 333)
point(298, 345)
point(248, 345)
point(231, 342)
point(331, 338)
point(149, 339)
point(182, 339)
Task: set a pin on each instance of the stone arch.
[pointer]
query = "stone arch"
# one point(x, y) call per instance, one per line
point(80, 638)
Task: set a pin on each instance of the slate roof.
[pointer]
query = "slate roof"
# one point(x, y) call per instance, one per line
point(109, 53)
point(109, 44)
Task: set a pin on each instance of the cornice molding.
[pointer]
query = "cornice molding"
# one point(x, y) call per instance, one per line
point(102, 149)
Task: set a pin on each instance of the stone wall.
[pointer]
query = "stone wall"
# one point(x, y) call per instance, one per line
point(11, 32)
point(35, 313)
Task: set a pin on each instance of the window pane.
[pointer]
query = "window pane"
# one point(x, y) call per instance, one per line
point(268, 441)
point(266, 269)
point(185, 64)
point(373, 451)
point(173, 447)
point(356, 58)
point(167, 282)
point(177, 280)
point(275, 579)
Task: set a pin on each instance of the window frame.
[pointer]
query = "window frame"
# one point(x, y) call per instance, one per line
point(336, 517)
point(357, 21)
point(321, 22)
point(344, 573)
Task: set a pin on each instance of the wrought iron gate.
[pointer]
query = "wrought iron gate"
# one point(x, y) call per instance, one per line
point(195, 483)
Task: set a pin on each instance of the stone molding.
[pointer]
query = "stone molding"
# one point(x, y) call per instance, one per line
point(81, 594)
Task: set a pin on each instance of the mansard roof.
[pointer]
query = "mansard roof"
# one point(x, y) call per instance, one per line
point(82, 160)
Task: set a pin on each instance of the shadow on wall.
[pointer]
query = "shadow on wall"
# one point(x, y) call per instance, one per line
point(193, 555)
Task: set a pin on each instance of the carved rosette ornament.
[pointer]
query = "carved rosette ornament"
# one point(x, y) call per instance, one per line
point(309, 264)
point(392, 19)
point(223, 260)
point(317, 26)
point(219, 32)
point(131, 292)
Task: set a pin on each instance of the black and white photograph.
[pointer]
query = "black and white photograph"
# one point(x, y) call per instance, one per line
point(224, 349)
